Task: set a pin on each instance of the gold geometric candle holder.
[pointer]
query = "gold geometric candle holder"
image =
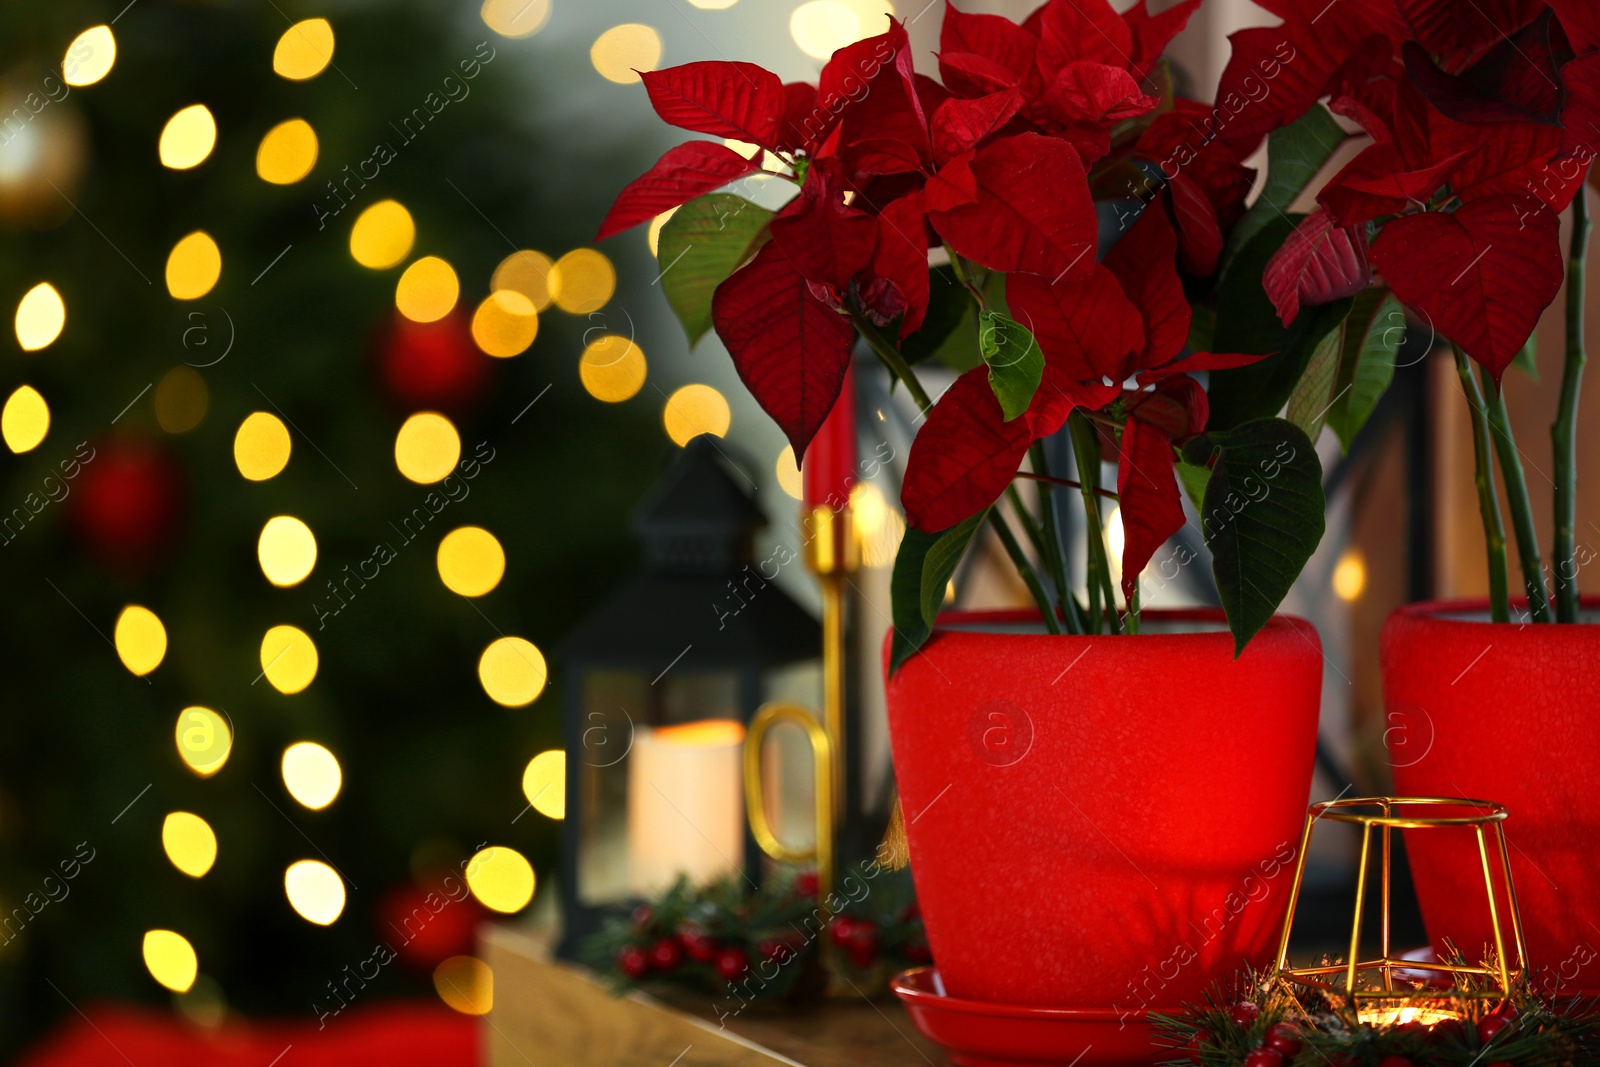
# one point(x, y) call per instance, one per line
point(1387, 990)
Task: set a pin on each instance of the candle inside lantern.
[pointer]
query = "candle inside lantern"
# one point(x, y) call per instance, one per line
point(1401, 1016)
point(685, 803)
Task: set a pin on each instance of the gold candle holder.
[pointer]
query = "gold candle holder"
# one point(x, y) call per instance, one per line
point(1371, 984)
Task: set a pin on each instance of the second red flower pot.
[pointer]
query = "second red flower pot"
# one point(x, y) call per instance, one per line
point(1108, 821)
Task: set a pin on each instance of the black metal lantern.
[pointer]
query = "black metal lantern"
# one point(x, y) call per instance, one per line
point(660, 683)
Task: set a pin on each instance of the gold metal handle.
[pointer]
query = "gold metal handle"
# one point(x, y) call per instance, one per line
point(769, 716)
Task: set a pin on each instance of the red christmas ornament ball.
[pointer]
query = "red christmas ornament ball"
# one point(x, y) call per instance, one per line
point(127, 504)
point(1244, 1014)
point(633, 961)
point(432, 364)
point(732, 963)
point(427, 927)
point(666, 954)
point(1264, 1057)
point(698, 946)
point(1282, 1036)
point(1495, 1023)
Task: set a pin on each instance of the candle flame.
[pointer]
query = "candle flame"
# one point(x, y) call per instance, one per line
point(707, 733)
point(1401, 1016)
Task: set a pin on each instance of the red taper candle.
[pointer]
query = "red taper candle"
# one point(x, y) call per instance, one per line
point(830, 463)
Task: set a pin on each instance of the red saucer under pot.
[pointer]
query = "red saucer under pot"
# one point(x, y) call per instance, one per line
point(1103, 823)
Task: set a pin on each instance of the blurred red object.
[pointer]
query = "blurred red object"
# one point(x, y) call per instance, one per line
point(128, 505)
point(395, 1034)
point(432, 364)
point(428, 927)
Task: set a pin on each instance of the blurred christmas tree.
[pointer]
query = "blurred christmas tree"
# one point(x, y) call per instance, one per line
point(139, 493)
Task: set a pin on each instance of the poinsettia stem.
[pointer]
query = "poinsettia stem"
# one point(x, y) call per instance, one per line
point(1030, 578)
point(1030, 525)
point(1563, 434)
point(1052, 535)
point(1505, 447)
point(1086, 447)
point(1494, 530)
point(963, 273)
point(891, 358)
point(1065, 483)
point(1131, 619)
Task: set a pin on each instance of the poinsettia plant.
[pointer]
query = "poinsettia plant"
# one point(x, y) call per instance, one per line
point(1048, 206)
point(1482, 121)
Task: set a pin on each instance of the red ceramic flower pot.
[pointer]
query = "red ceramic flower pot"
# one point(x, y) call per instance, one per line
point(1103, 822)
point(1511, 713)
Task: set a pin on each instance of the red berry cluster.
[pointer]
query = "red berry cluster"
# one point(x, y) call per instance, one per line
point(858, 938)
point(1281, 1042)
point(668, 952)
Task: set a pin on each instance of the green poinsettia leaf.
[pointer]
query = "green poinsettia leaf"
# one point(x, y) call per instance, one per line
point(1374, 334)
point(948, 302)
point(922, 571)
point(1016, 363)
point(1527, 359)
point(1262, 520)
point(706, 240)
point(1313, 394)
point(1294, 155)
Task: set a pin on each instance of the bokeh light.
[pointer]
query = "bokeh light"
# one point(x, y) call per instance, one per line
point(530, 273)
point(714, 5)
point(427, 290)
point(287, 550)
point(652, 235)
point(544, 783)
point(261, 447)
point(382, 235)
point(501, 878)
point(311, 774)
point(623, 51)
point(879, 527)
point(1350, 575)
point(304, 50)
point(25, 419)
point(193, 266)
point(89, 57)
point(315, 891)
point(427, 447)
point(288, 658)
point(612, 368)
point(821, 27)
point(287, 153)
point(466, 984)
point(188, 137)
point(505, 324)
point(587, 281)
point(140, 638)
point(181, 399)
point(515, 18)
point(790, 479)
point(170, 959)
point(189, 843)
point(41, 315)
point(696, 409)
point(204, 740)
point(471, 561)
point(512, 671)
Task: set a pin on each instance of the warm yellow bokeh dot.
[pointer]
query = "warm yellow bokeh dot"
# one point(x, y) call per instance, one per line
point(878, 526)
point(304, 50)
point(612, 368)
point(427, 447)
point(587, 280)
point(466, 984)
point(41, 314)
point(89, 57)
point(287, 153)
point(544, 783)
point(288, 658)
point(427, 290)
point(530, 273)
point(181, 399)
point(505, 324)
point(193, 266)
point(170, 959)
point(790, 479)
point(693, 410)
point(501, 878)
point(623, 51)
point(821, 27)
point(140, 638)
point(287, 550)
point(515, 18)
point(204, 740)
point(25, 419)
point(512, 671)
point(188, 137)
point(311, 774)
point(471, 561)
point(1350, 575)
point(713, 5)
point(189, 842)
point(261, 447)
point(383, 235)
point(653, 234)
point(315, 891)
